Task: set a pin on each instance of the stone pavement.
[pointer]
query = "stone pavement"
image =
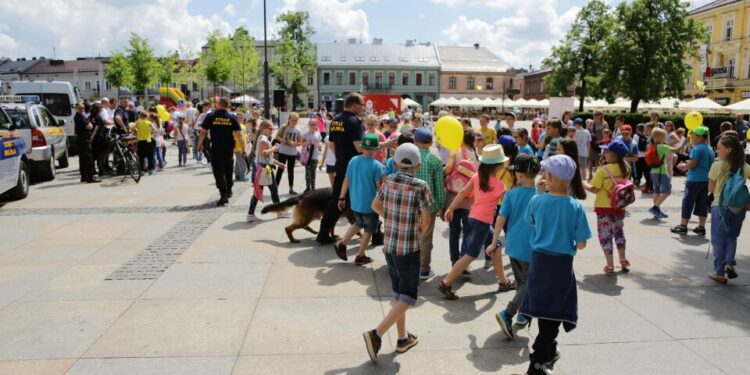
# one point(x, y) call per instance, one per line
point(120, 278)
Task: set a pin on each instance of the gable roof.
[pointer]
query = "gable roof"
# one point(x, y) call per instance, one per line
point(66, 66)
point(712, 5)
point(470, 59)
point(17, 67)
point(349, 54)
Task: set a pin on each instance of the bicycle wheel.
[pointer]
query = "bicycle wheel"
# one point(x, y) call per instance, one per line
point(132, 167)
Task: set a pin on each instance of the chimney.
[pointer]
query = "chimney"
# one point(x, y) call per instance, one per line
point(476, 45)
point(377, 41)
point(352, 40)
point(409, 43)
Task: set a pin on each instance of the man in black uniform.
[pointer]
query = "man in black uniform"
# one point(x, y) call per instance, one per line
point(346, 134)
point(223, 126)
point(83, 130)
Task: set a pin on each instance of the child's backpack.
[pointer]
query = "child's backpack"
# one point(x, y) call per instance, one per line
point(306, 154)
point(623, 193)
point(652, 157)
point(735, 195)
point(459, 178)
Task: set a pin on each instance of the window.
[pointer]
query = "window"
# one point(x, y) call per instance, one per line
point(339, 78)
point(391, 79)
point(431, 78)
point(365, 78)
point(326, 58)
point(374, 58)
point(489, 83)
point(422, 59)
point(748, 68)
point(378, 80)
point(343, 58)
point(4, 121)
point(452, 83)
point(326, 78)
point(108, 85)
point(87, 85)
point(709, 32)
point(352, 78)
point(360, 59)
point(470, 83)
point(730, 70)
point(403, 59)
point(419, 79)
point(728, 28)
point(310, 80)
point(405, 79)
point(386, 59)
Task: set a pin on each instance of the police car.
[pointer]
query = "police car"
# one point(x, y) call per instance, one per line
point(45, 139)
point(14, 164)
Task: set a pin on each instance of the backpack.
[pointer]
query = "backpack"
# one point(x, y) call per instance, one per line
point(735, 195)
point(305, 156)
point(459, 178)
point(652, 157)
point(623, 193)
point(642, 142)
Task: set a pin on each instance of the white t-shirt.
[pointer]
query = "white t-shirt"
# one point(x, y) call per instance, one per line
point(181, 136)
point(291, 135)
point(260, 158)
point(583, 141)
point(159, 135)
point(330, 156)
point(314, 139)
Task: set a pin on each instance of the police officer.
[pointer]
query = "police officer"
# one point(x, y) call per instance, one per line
point(83, 130)
point(223, 127)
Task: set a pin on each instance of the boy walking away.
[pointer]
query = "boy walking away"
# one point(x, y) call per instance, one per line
point(430, 172)
point(583, 142)
point(659, 158)
point(404, 203)
point(696, 187)
point(517, 234)
point(551, 294)
point(641, 140)
point(362, 181)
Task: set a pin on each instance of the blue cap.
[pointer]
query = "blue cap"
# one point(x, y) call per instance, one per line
point(423, 135)
point(560, 166)
point(578, 120)
point(618, 147)
point(506, 140)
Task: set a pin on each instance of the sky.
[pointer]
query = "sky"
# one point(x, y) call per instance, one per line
point(520, 32)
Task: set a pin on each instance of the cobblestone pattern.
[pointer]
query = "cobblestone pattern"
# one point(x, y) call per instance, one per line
point(156, 258)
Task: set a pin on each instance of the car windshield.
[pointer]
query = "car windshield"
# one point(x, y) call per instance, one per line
point(19, 117)
point(58, 104)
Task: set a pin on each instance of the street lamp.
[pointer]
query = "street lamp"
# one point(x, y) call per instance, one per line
point(266, 100)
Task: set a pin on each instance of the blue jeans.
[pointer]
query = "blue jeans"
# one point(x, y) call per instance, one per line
point(725, 228)
point(182, 152)
point(695, 199)
point(196, 155)
point(459, 223)
point(159, 158)
point(404, 272)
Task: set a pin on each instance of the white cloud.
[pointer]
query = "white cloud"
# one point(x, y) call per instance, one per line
point(84, 28)
point(525, 35)
point(230, 10)
point(333, 18)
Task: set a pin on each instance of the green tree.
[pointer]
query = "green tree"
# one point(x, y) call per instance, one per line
point(189, 71)
point(118, 72)
point(216, 60)
point(246, 64)
point(647, 50)
point(167, 68)
point(143, 64)
point(580, 59)
point(295, 54)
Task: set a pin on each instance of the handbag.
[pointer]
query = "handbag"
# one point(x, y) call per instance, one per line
point(266, 176)
point(378, 238)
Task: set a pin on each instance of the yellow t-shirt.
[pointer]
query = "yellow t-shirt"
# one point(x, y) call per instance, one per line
point(506, 177)
point(143, 130)
point(489, 136)
point(720, 173)
point(602, 182)
point(238, 142)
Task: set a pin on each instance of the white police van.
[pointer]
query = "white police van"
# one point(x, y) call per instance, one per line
point(14, 164)
point(58, 97)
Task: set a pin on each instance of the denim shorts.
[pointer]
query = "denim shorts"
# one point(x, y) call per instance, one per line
point(695, 199)
point(404, 272)
point(661, 183)
point(330, 168)
point(368, 222)
point(474, 240)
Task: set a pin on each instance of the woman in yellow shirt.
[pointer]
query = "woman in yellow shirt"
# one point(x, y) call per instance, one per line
point(144, 130)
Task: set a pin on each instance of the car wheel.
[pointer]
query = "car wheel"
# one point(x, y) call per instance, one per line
point(48, 169)
point(22, 186)
point(63, 162)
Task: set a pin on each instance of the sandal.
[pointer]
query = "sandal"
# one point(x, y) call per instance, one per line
point(609, 270)
point(719, 279)
point(624, 263)
point(506, 286)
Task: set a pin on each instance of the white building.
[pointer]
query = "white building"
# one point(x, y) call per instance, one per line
point(87, 74)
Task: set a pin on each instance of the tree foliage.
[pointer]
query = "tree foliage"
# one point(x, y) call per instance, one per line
point(580, 59)
point(246, 63)
point(189, 70)
point(143, 64)
point(295, 54)
point(118, 71)
point(647, 48)
point(216, 60)
point(168, 66)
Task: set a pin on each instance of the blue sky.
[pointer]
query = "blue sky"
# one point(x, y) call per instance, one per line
point(521, 32)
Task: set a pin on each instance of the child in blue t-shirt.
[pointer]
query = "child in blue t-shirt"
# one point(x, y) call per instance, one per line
point(517, 235)
point(390, 164)
point(362, 181)
point(551, 292)
point(695, 199)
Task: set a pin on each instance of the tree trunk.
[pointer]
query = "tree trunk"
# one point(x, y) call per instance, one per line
point(634, 104)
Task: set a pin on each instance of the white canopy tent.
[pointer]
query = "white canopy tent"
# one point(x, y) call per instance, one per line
point(245, 99)
point(408, 102)
point(742, 107)
point(702, 104)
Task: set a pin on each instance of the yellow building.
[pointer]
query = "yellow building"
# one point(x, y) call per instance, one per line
point(724, 57)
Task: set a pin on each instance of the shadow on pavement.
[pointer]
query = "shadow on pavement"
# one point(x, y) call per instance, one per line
point(485, 358)
point(385, 365)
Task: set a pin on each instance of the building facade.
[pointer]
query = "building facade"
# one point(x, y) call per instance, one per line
point(473, 72)
point(533, 84)
point(87, 74)
point(411, 70)
point(12, 70)
point(723, 62)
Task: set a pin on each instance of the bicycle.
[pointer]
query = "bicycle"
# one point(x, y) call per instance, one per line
point(125, 158)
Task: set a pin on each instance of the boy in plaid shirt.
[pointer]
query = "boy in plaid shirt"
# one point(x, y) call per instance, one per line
point(403, 202)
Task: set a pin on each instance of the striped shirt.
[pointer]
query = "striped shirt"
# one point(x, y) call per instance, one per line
point(404, 197)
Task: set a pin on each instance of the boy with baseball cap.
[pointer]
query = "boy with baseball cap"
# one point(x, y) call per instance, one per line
point(430, 172)
point(404, 203)
point(696, 187)
point(362, 181)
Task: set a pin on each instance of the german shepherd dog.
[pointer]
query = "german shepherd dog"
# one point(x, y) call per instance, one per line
point(307, 207)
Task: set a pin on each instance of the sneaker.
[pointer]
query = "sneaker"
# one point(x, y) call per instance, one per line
point(487, 264)
point(536, 368)
point(283, 214)
point(521, 320)
point(372, 342)
point(340, 250)
point(699, 230)
point(229, 194)
point(680, 229)
point(447, 291)
point(292, 192)
point(662, 215)
point(551, 364)
point(654, 211)
point(251, 218)
point(361, 260)
point(222, 201)
point(426, 274)
point(466, 272)
point(409, 342)
point(730, 271)
point(505, 324)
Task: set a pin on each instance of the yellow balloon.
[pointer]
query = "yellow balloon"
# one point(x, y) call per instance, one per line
point(449, 132)
point(693, 120)
point(748, 134)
